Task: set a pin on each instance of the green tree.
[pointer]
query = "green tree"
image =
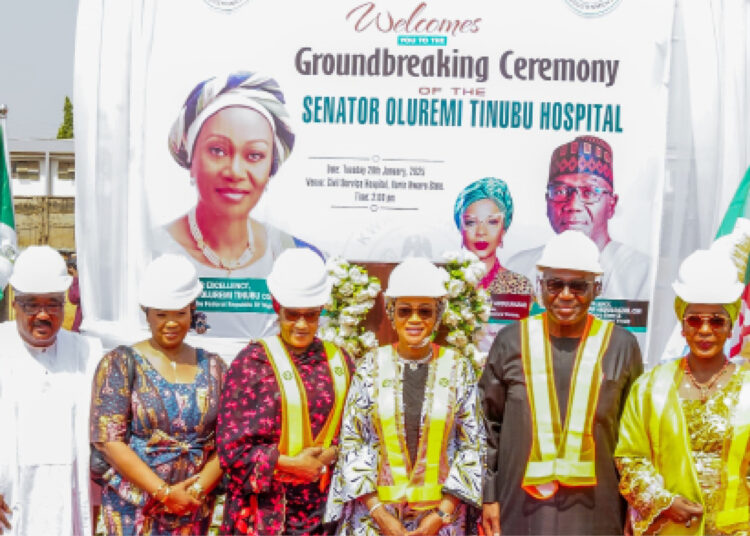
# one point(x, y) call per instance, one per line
point(66, 129)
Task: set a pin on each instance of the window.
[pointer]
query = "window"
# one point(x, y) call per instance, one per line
point(25, 170)
point(66, 170)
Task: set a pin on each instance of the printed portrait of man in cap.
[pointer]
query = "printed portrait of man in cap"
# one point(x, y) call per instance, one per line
point(580, 196)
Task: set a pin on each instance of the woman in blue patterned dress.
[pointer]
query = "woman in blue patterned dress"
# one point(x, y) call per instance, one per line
point(153, 415)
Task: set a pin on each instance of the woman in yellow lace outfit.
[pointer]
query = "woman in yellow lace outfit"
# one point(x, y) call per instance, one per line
point(683, 448)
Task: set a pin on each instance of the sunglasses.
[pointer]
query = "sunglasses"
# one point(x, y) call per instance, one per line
point(425, 312)
point(715, 322)
point(293, 315)
point(32, 308)
point(578, 287)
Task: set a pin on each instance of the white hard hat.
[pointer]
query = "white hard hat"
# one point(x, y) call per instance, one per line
point(40, 270)
point(299, 279)
point(708, 277)
point(571, 250)
point(416, 276)
point(169, 282)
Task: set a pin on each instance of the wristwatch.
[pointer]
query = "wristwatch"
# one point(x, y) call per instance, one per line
point(445, 517)
point(196, 491)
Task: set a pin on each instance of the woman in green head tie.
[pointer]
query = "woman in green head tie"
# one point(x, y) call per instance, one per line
point(483, 213)
point(683, 450)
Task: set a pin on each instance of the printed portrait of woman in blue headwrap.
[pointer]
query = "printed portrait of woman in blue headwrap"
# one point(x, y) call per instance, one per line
point(483, 213)
point(232, 135)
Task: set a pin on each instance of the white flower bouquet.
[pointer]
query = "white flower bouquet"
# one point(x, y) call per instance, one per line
point(468, 307)
point(352, 296)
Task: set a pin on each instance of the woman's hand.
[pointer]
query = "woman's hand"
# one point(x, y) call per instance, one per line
point(305, 466)
point(683, 511)
point(429, 526)
point(491, 519)
point(179, 501)
point(4, 510)
point(329, 455)
point(389, 525)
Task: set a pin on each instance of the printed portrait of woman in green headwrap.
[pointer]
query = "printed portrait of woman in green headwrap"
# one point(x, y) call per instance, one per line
point(483, 213)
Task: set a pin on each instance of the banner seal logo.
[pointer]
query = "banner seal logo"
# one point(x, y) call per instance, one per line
point(225, 5)
point(592, 8)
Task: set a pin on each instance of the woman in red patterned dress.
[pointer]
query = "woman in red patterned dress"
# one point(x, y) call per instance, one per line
point(280, 411)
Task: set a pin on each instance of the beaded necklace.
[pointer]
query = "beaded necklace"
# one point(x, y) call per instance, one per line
point(415, 363)
point(211, 255)
point(705, 388)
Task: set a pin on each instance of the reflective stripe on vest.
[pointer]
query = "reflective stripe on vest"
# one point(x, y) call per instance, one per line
point(296, 433)
point(405, 487)
point(730, 514)
point(563, 455)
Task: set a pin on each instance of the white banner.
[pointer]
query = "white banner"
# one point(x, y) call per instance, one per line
point(393, 111)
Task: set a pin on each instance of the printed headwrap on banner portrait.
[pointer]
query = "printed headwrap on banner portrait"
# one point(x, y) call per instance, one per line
point(486, 188)
point(244, 89)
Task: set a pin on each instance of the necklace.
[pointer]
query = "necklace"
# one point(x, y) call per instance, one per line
point(704, 388)
point(211, 255)
point(415, 363)
point(490, 276)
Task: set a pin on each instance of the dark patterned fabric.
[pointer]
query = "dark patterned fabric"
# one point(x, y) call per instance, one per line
point(585, 154)
point(507, 282)
point(248, 433)
point(171, 428)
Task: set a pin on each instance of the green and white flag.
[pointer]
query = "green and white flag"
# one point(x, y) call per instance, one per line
point(8, 239)
point(7, 218)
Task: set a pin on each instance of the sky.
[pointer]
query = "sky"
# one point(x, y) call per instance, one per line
point(37, 42)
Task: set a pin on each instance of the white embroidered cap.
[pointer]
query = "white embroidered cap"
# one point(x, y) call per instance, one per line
point(40, 270)
point(169, 282)
point(417, 276)
point(708, 277)
point(571, 250)
point(299, 279)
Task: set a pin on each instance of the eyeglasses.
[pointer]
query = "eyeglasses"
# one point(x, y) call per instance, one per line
point(34, 308)
point(425, 312)
point(578, 287)
point(293, 315)
point(557, 193)
point(493, 220)
point(715, 322)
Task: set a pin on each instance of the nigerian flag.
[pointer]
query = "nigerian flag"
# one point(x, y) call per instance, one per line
point(7, 220)
point(739, 207)
point(8, 240)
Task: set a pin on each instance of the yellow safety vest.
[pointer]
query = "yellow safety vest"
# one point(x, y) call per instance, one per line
point(296, 433)
point(561, 453)
point(421, 489)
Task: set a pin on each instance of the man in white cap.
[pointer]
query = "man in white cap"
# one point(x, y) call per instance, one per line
point(280, 410)
point(553, 391)
point(45, 385)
